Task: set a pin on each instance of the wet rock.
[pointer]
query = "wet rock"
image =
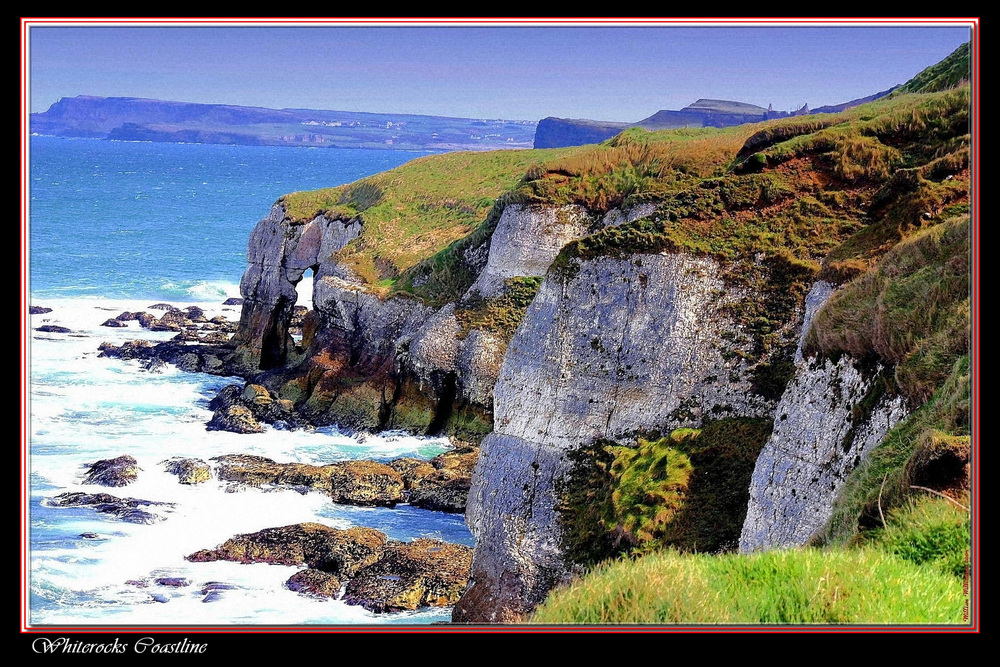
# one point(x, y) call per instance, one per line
point(212, 596)
point(53, 328)
point(39, 310)
point(443, 491)
point(187, 336)
point(173, 582)
point(126, 316)
point(315, 582)
point(258, 470)
point(152, 365)
point(233, 301)
point(113, 323)
point(340, 552)
point(146, 320)
point(126, 509)
point(188, 471)
point(237, 419)
point(163, 306)
point(411, 470)
point(133, 349)
point(412, 575)
point(159, 598)
point(365, 483)
point(119, 471)
point(210, 586)
point(90, 536)
point(443, 483)
point(194, 312)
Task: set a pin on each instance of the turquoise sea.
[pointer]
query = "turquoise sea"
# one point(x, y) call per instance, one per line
point(117, 226)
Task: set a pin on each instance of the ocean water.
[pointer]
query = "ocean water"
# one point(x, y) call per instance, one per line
point(118, 226)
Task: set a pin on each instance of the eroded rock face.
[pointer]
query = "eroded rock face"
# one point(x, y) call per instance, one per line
point(526, 240)
point(278, 254)
point(623, 344)
point(410, 575)
point(119, 471)
point(829, 419)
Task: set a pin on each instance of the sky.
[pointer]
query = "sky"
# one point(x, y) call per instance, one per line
point(617, 73)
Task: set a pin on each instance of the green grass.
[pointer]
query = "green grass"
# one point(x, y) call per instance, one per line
point(416, 210)
point(793, 587)
point(927, 530)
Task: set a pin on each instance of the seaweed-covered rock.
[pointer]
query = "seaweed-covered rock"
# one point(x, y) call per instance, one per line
point(411, 575)
point(126, 509)
point(258, 470)
point(441, 484)
point(132, 349)
point(188, 471)
point(442, 491)
point(237, 419)
point(341, 552)
point(315, 582)
point(119, 471)
point(365, 483)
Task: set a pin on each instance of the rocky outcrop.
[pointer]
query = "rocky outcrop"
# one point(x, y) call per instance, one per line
point(384, 575)
point(526, 240)
point(313, 544)
point(119, 471)
point(130, 510)
point(188, 471)
point(410, 575)
point(368, 483)
point(830, 417)
point(621, 345)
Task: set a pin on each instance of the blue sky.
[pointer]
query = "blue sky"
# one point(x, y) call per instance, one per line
point(608, 73)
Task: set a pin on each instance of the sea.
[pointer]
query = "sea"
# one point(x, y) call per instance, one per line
point(120, 226)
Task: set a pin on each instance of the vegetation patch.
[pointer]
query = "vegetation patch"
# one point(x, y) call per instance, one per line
point(688, 490)
point(784, 587)
point(912, 311)
point(927, 530)
point(882, 482)
point(501, 314)
point(416, 210)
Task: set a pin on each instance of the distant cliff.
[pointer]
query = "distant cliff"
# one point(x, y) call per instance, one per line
point(137, 119)
point(562, 132)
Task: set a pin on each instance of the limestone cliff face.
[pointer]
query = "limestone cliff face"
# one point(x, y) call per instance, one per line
point(622, 345)
point(373, 362)
point(278, 255)
point(524, 244)
point(830, 417)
